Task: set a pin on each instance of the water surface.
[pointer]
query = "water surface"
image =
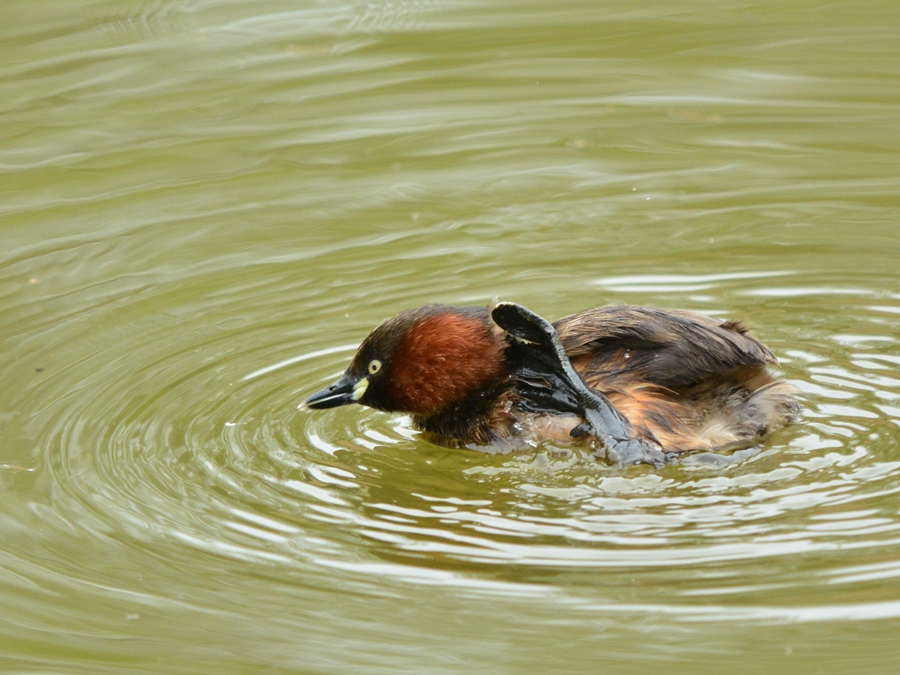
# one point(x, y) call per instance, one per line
point(205, 206)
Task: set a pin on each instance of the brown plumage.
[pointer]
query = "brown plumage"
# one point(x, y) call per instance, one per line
point(681, 381)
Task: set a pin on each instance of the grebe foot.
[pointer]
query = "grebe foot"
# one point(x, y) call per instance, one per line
point(547, 380)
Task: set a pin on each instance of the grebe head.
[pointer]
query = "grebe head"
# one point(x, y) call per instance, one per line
point(420, 362)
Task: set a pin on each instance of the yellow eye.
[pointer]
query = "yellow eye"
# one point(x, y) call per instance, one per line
point(374, 366)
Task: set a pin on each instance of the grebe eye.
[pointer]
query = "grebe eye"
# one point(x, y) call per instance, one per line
point(374, 366)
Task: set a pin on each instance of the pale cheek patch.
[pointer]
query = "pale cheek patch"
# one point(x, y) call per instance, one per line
point(359, 389)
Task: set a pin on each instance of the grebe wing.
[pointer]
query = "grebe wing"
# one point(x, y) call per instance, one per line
point(671, 349)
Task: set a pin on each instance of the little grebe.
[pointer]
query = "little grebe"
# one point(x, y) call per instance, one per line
point(646, 383)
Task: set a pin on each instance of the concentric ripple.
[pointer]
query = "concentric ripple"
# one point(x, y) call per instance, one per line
point(202, 445)
point(207, 205)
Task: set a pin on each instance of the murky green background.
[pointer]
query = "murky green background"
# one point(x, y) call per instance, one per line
point(205, 205)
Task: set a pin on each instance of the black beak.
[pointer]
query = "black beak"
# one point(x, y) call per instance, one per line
point(340, 393)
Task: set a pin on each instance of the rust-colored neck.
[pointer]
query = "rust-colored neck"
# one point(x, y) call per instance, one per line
point(443, 359)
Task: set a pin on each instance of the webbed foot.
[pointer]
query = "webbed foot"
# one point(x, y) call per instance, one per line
point(635, 451)
point(549, 383)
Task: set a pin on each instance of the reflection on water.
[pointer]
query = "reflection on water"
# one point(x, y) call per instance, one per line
point(206, 207)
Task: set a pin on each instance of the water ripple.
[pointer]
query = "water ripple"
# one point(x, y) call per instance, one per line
point(206, 207)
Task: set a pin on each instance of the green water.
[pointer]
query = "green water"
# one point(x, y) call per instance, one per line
point(205, 205)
